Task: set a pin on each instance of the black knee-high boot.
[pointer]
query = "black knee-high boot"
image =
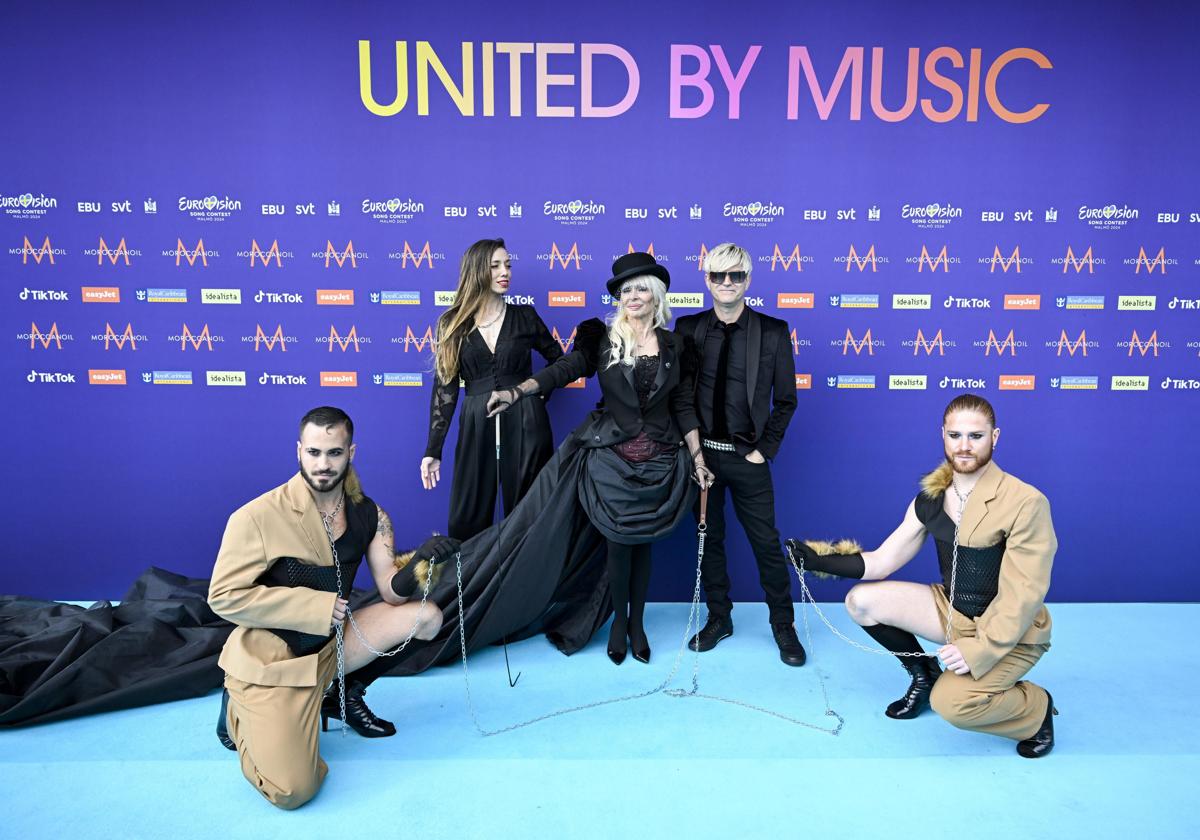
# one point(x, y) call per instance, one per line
point(620, 561)
point(639, 586)
point(923, 669)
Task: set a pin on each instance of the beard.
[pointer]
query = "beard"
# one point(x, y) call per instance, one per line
point(975, 465)
point(323, 482)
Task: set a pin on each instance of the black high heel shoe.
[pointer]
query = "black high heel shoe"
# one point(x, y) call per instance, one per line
point(1041, 741)
point(617, 655)
point(358, 716)
point(222, 725)
point(640, 648)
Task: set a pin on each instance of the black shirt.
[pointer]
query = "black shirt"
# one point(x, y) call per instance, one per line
point(737, 408)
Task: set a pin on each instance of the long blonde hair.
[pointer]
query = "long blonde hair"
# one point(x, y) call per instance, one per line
point(456, 323)
point(620, 332)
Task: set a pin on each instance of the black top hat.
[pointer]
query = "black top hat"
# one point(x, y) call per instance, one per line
point(636, 265)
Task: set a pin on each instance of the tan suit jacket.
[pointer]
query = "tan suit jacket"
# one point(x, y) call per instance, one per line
point(1002, 507)
point(281, 523)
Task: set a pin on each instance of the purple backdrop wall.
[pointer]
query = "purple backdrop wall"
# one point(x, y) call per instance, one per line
point(247, 128)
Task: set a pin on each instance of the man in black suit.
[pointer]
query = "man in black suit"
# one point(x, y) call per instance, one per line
point(745, 397)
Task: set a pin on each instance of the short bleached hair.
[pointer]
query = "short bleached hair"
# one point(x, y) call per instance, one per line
point(727, 257)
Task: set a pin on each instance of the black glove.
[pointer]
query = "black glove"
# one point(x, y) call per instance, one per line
point(437, 549)
point(422, 564)
point(849, 565)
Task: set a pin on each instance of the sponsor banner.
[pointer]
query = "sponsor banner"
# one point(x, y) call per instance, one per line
point(169, 377)
point(1080, 302)
point(907, 382)
point(581, 382)
point(803, 381)
point(1026, 302)
point(568, 298)
point(1130, 383)
point(851, 381)
point(685, 300)
point(106, 377)
point(402, 380)
point(100, 294)
point(156, 295)
point(854, 301)
point(235, 378)
point(911, 301)
point(1136, 303)
point(445, 298)
point(339, 379)
point(1017, 382)
point(335, 297)
point(396, 298)
point(1075, 383)
point(221, 296)
point(794, 300)
point(36, 377)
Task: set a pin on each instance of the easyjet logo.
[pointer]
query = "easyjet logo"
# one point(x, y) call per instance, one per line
point(1010, 382)
point(106, 377)
point(36, 336)
point(1065, 343)
point(568, 298)
point(339, 379)
point(121, 252)
point(182, 253)
point(791, 260)
point(563, 260)
point(37, 253)
point(100, 294)
point(111, 336)
point(1022, 301)
point(195, 339)
point(261, 338)
point(1151, 343)
point(852, 258)
point(794, 300)
point(998, 259)
point(1009, 343)
point(803, 381)
point(350, 339)
point(335, 297)
point(331, 253)
point(1160, 260)
point(941, 260)
point(922, 344)
point(858, 345)
point(424, 255)
point(1070, 262)
point(272, 253)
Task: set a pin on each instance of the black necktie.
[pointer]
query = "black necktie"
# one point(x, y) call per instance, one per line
point(720, 428)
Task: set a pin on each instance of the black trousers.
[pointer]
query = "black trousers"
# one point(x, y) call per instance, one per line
point(753, 494)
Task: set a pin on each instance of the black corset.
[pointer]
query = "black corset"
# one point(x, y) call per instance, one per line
point(977, 578)
point(288, 571)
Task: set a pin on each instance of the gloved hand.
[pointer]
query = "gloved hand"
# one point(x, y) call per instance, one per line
point(420, 568)
point(841, 559)
point(437, 549)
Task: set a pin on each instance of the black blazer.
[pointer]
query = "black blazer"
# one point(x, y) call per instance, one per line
point(770, 383)
point(670, 410)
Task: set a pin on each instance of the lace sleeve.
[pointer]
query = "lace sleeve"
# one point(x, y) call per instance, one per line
point(441, 411)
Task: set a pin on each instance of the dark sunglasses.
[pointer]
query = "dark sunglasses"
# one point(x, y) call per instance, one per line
point(737, 278)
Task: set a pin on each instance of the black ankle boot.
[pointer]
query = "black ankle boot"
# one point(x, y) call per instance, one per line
point(924, 671)
point(222, 725)
point(1042, 741)
point(358, 717)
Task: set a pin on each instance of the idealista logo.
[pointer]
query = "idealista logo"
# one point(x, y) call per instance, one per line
point(210, 208)
point(685, 300)
point(351, 339)
point(1022, 301)
point(180, 252)
point(791, 261)
point(1017, 382)
point(1159, 261)
point(335, 297)
point(276, 339)
point(869, 258)
point(44, 295)
point(444, 297)
point(167, 377)
point(106, 377)
point(568, 298)
point(339, 379)
point(347, 254)
point(573, 213)
point(912, 301)
point(27, 206)
point(196, 339)
point(155, 295)
point(45, 252)
point(230, 378)
point(558, 258)
point(962, 384)
point(1109, 217)
point(221, 296)
point(1013, 260)
point(410, 258)
point(931, 216)
point(35, 377)
point(1080, 302)
point(753, 215)
point(36, 337)
point(121, 252)
point(795, 300)
point(282, 379)
point(1136, 303)
point(858, 343)
point(1130, 383)
point(854, 301)
point(392, 211)
point(803, 381)
point(852, 381)
point(264, 258)
point(907, 382)
point(1086, 258)
point(1075, 383)
point(398, 380)
point(263, 296)
point(942, 259)
point(388, 297)
point(1152, 344)
point(126, 337)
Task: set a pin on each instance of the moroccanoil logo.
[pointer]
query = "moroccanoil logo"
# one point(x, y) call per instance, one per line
point(37, 253)
point(1151, 343)
point(411, 340)
point(794, 300)
point(648, 250)
point(564, 343)
point(106, 377)
point(1070, 262)
point(276, 338)
point(568, 298)
point(852, 258)
point(1017, 382)
point(1014, 259)
point(272, 253)
point(339, 379)
point(937, 341)
point(187, 337)
point(335, 297)
point(561, 259)
point(100, 294)
point(1009, 343)
point(942, 260)
point(121, 252)
point(803, 381)
point(702, 256)
point(790, 261)
point(182, 253)
point(127, 337)
point(1065, 343)
point(331, 253)
point(350, 339)
point(1131, 383)
point(36, 336)
point(231, 378)
point(1160, 260)
point(1022, 301)
point(858, 345)
point(424, 255)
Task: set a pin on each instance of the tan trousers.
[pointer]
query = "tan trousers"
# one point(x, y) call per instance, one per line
point(276, 732)
point(999, 702)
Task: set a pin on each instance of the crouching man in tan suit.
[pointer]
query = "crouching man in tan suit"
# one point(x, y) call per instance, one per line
point(995, 545)
point(283, 573)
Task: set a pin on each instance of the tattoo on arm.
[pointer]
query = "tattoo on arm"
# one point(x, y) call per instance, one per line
point(384, 531)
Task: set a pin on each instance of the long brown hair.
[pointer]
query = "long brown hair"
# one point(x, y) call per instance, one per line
point(474, 285)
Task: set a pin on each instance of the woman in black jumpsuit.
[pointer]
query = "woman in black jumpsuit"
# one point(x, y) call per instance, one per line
point(479, 318)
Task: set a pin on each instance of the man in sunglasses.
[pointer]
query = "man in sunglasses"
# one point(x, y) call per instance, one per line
point(745, 398)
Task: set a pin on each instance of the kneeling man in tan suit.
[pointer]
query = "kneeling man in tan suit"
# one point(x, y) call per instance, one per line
point(995, 545)
point(283, 574)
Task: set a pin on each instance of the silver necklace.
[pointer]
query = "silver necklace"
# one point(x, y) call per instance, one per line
point(482, 326)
